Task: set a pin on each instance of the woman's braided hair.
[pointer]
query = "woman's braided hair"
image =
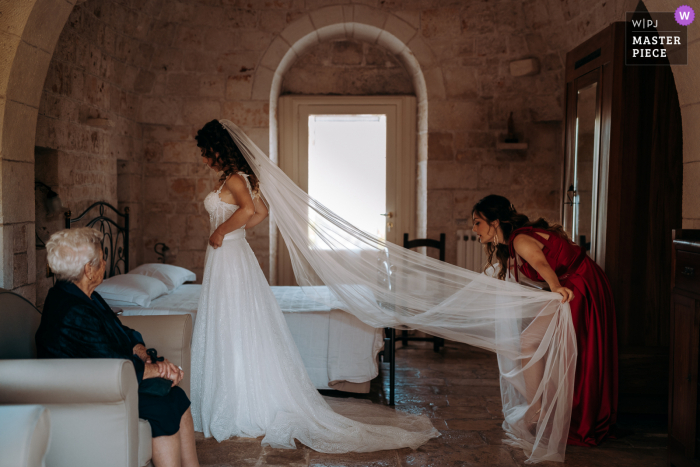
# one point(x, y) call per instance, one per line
point(214, 139)
point(495, 207)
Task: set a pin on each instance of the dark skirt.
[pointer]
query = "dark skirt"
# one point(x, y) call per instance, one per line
point(164, 412)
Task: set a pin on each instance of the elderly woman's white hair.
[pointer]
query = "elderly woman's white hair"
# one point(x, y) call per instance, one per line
point(69, 250)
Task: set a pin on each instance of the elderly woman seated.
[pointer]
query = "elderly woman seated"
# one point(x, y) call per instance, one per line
point(77, 323)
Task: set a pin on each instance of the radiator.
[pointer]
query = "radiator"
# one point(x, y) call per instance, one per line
point(470, 253)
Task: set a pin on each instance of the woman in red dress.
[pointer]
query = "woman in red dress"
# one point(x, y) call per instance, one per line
point(544, 253)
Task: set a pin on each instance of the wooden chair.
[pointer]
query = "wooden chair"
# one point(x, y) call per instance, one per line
point(417, 243)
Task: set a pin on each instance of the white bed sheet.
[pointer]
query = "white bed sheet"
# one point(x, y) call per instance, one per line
point(335, 346)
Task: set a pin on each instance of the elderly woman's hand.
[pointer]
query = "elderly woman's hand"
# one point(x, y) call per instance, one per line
point(175, 374)
point(164, 369)
point(156, 370)
point(140, 351)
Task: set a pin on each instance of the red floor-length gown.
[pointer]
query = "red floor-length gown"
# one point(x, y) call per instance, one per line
point(594, 410)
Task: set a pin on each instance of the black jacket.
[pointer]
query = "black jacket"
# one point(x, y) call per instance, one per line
point(74, 326)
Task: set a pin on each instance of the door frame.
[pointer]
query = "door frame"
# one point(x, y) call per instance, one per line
point(599, 196)
point(401, 156)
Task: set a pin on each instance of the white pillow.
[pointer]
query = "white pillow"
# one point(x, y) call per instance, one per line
point(172, 276)
point(131, 288)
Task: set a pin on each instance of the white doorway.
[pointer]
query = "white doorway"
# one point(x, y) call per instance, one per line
point(357, 156)
point(347, 152)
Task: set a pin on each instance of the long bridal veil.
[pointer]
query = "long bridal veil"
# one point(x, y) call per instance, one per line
point(385, 285)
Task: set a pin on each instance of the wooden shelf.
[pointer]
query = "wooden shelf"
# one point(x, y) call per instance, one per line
point(511, 146)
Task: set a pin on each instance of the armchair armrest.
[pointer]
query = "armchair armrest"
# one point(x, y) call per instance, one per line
point(171, 335)
point(93, 404)
point(67, 381)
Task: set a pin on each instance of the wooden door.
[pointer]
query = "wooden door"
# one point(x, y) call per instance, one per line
point(400, 113)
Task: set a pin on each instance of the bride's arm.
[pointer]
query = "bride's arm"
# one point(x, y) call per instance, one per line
point(246, 209)
point(260, 214)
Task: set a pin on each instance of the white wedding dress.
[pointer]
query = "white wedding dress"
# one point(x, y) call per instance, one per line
point(248, 378)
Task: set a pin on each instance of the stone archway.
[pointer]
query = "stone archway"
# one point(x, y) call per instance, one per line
point(29, 31)
point(688, 86)
point(368, 25)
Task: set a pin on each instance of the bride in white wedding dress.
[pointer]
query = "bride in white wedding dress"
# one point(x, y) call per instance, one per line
point(248, 378)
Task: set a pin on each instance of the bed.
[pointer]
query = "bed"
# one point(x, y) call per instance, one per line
point(339, 351)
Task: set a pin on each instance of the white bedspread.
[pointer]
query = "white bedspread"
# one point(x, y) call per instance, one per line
point(335, 346)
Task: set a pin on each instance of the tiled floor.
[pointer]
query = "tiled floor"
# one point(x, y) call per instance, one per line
point(458, 389)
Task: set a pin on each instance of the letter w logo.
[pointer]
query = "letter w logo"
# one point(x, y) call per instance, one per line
point(685, 15)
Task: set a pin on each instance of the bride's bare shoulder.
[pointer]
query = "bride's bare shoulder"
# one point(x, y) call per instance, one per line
point(234, 183)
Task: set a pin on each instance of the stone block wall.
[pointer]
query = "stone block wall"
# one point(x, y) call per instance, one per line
point(157, 71)
point(471, 93)
point(88, 118)
point(347, 67)
point(141, 41)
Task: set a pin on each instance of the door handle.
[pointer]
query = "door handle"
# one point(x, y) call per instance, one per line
point(388, 215)
point(688, 271)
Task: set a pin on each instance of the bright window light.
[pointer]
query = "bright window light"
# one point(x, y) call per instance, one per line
point(347, 168)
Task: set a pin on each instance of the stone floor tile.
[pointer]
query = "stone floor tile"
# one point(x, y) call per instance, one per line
point(458, 389)
point(495, 436)
point(439, 400)
point(473, 413)
point(473, 382)
point(419, 409)
point(420, 381)
point(287, 457)
point(412, 390)
point(474, 425)
point(467, 390)
point(492, 456)
point(243, 451)
point(460, 439)
point(439, 424)
point(366, 459)
point(457, 400)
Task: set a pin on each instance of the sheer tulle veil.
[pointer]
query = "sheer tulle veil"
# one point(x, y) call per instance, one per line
point(385, 285)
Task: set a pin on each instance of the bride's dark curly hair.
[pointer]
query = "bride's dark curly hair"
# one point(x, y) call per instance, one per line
point(495, 207)
point(214, 139)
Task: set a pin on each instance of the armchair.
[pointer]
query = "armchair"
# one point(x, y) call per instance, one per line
point(93, 403)
point(25, 432)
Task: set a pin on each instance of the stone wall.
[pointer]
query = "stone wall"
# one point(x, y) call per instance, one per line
point(172, 69)
point(157, 71)
point(88, 121)
point(347, 68)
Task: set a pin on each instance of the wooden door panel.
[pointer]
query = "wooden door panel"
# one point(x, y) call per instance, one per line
point(685, 373)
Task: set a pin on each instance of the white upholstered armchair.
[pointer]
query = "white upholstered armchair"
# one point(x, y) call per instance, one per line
point(93, 403)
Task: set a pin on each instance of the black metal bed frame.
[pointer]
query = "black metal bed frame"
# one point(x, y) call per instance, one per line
point(116, 256)
point(389, 353)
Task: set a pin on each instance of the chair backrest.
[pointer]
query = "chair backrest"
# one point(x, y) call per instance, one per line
point(419, 242)
point(19, 320)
